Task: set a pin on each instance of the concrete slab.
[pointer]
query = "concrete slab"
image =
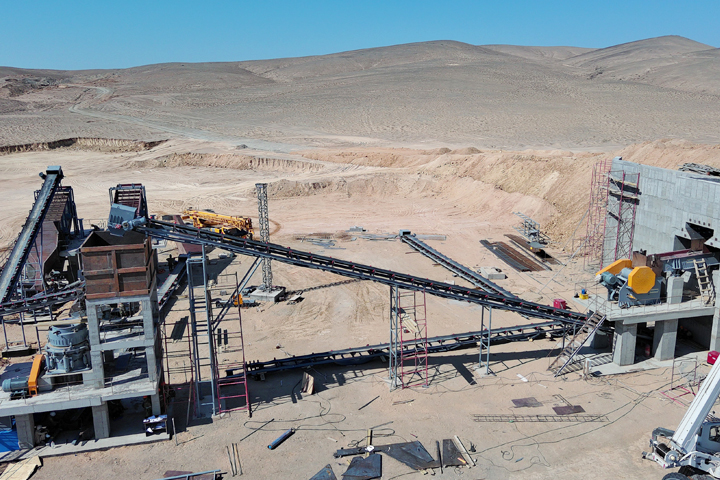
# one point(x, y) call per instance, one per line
point(263, 296)
point(649, 364)
point(101, 444)
point(647, 313)
point(128, 385)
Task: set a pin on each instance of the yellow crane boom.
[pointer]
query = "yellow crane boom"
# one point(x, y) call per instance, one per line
point(220, 223)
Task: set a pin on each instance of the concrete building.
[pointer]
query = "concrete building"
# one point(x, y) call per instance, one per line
point(672, 210)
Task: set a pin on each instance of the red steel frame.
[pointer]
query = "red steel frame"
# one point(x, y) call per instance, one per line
point(413, 359)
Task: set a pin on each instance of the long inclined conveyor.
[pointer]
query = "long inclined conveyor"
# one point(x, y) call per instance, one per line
point(243, 246)
point(446, 343)
point(458, 269)
point(24, 243)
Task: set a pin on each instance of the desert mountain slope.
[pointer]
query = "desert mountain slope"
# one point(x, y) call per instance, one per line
point(641, 50)
point(540, 53)
point(420, 95)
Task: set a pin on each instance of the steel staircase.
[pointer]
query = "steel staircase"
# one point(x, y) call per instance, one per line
point(567, 355)
point(200, 307)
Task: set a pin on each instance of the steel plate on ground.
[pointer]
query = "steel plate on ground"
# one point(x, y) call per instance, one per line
point(364, 468)
point(526, 402)
point(412, 454)
point(569, 410)
point(325, 474)
point(451, 456)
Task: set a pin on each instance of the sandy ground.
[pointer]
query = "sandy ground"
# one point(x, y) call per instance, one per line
point(383, 190)
point(439, 138)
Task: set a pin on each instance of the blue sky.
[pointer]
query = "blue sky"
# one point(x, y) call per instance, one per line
point(110, 34)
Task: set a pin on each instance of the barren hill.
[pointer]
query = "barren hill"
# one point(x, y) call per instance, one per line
point(420, 95)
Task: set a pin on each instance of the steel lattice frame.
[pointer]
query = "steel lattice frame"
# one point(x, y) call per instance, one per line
point(264, 222)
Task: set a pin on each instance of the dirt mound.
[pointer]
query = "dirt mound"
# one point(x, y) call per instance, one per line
point(465, 151)
point(108, 145)
point(224, 160)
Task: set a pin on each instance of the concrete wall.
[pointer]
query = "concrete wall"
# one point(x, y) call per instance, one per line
point(669, 199)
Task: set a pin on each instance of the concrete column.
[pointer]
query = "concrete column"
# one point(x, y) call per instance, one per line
point(96, 377)
point(665, 335)
point(155, 399)
point(93, 323)
point(101, 420)
point(675, 289)
point(625, 337)
point(664, 339)
point(715, 330)
point(152, 365)
point(25, 425)
point(148, 317)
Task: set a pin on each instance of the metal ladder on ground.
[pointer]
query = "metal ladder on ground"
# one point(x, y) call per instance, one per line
point(707, 290)
point(568, 353)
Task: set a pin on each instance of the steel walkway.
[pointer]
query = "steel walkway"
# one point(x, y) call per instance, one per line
point(458, 269)
point(243, 246)
point(24, 243)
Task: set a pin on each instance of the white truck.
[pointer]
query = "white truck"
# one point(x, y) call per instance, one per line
point(695, 445)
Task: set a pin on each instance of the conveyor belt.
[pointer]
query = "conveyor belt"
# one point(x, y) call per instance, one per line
point(460, 270)
point(359, 355)
point(42, 301)
point(243, 246)
point(14, 265)
point(171, 284)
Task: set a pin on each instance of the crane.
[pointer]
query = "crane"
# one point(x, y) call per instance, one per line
point(695, 445)
point(228, 224)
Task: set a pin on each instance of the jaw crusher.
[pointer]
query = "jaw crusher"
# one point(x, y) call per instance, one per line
point(630, 286)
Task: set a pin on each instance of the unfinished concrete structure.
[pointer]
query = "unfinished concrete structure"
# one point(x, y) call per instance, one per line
point(672, 211)
point(125, 348)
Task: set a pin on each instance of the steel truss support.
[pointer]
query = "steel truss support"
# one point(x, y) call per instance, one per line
point(485, 340)
point(264, 222)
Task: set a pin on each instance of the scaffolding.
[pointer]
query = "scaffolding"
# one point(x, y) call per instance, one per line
point(264, 222)
point(623, 195)
point(408, 339)
point(596, 215)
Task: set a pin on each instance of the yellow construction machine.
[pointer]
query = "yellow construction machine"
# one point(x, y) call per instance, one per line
point(228, 224)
